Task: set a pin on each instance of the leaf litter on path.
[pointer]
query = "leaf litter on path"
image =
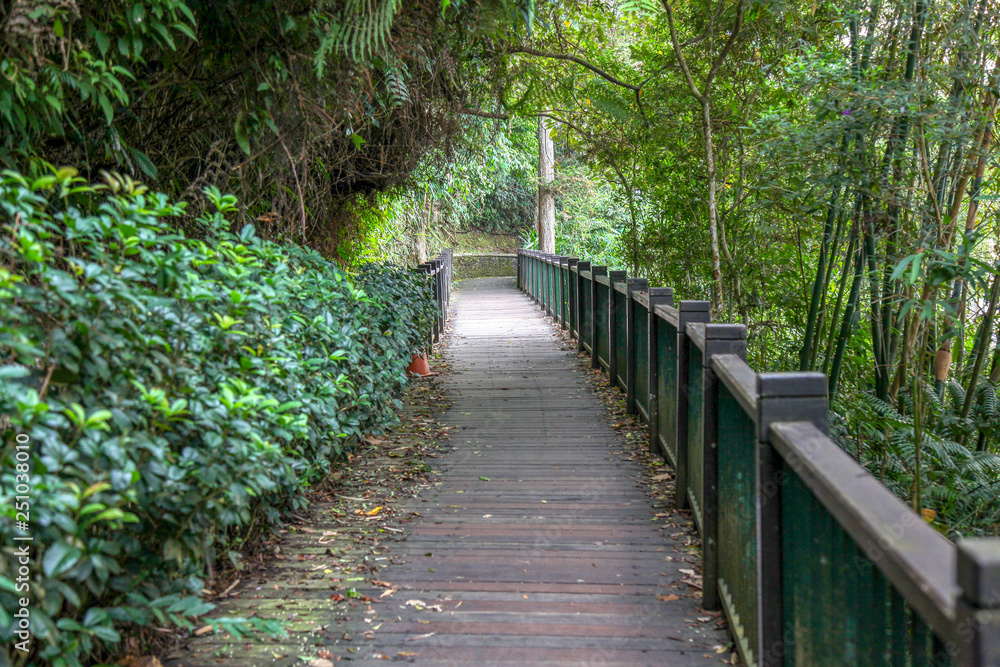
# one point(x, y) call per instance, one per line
point(321, 574)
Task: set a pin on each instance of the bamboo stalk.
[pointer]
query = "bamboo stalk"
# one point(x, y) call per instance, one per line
point(841, 290)
point(847, 325)
point(987, 327)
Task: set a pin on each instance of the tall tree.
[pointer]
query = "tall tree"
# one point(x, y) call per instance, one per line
point(546, 217)
point(703, 94)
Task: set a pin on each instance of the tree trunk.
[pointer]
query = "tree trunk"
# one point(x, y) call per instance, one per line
point(713, 210)
point(705, 100)
point(545, 219)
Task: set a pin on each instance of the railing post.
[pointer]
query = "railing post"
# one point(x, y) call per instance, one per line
point(581, 266)
point(536, 266)
point(547, 291)
point(552, 294)
point(978, 608)
point(547, 298)
point(595, 361)
point(569, 302)
point(539, 293)
point(657, 296)
point(780, 397)
point(687, 312)
point(539, 277)
point(557, 267)
point(633, 285)
point(532, 269)
point(554, 303)
point(534, 276)
point(719, 339)
point(616, 277)
point(528, 273)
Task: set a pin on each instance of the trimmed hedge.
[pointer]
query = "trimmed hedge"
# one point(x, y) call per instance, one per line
point(179, 394)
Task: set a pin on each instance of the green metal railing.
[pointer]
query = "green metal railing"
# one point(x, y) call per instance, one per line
point(813, 561)
point(439, 271)
point(585, 294)
point(601, 327)
point(619, 331)
point(837, 562)
point(694, 448)
point(666, 386)
point(638, 364)
point(737, 492)
point(564, 281)
point(573, 285)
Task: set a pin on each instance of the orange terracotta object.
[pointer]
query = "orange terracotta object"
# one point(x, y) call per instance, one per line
point(419, 365)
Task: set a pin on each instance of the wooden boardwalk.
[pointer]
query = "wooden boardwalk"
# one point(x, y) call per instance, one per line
point(539, 546)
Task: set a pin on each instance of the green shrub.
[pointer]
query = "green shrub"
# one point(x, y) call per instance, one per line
point(179, 395)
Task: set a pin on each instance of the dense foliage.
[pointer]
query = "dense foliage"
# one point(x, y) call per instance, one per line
point(305, 110)
point(179, 396)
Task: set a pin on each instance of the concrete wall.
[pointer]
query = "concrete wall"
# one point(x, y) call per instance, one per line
point(484, 265)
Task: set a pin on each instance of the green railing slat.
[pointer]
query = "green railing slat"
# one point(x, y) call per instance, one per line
point(666, 391)
point(839, 608)
point(621, 338)
point(601, 305)
point(737, 446)
point(695, 431)
point(640, 368)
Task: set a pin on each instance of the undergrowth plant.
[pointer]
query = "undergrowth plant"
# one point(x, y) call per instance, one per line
point(178, 396)
point(960, 483)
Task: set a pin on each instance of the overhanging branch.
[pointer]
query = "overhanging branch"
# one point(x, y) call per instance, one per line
point(579, 61)
point(484, 114)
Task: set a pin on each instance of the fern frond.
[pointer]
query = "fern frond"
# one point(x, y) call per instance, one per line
point(986, 401)
point(362, 27)
point(395, 83)
point(957, 393)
